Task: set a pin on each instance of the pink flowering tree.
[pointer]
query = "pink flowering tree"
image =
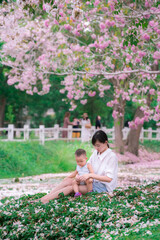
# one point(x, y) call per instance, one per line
point(96, 45)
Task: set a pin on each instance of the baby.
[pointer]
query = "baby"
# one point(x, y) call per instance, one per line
point(82, 168)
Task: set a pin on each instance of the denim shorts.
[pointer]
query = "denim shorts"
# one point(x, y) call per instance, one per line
point(99, 187)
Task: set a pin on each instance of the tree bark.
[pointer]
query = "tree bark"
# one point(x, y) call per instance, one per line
point(134, 134)
point(2, 110)
point(119, 145)
point(118, 126)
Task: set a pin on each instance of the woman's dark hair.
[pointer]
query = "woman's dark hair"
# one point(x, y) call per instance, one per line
point(100, 136)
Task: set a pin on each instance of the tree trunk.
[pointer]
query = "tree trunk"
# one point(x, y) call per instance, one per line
point(134, 134)
point(118, 136)
point(2, 110)
point(118, 126)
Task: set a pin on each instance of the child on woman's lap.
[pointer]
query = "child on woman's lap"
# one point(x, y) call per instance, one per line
point(82, 168)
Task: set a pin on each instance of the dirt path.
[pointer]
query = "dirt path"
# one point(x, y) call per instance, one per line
point(129, 175)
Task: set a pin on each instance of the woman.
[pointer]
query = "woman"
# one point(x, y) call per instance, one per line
point(86, 125)
point(105, 166)
point(66, 122)
point(98, 122)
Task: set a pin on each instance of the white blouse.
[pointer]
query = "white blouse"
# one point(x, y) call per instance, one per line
point(105, 164)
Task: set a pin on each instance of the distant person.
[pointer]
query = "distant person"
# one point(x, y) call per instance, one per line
point(66, 123)
point(98, 122)
point(82, 168)
point(76, 124)
point(86, 126)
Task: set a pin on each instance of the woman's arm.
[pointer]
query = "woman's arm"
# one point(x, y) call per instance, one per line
point(95, 176)
point(89, 166)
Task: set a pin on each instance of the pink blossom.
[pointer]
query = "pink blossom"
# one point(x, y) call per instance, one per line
point(96, 3)
point(139, 121)
point(92, 94)
point(68, 27)
point(60, 6)
point(56, 22)
point(146, 37)
point(69, 95)
point(62, 91)
point(46, 22)
point(83, 101)
point(141, 54)
point(115, 114)
point(156, 55)
point(153, 24)
point(147, 4)
point(102, 26)
point(44, 7)
point(108, 23)
point(61, 14)
point(152, 91)
point(158, 31)
point(137, 60)
point(93, 36)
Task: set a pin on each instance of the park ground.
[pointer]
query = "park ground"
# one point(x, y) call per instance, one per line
point(131, 213)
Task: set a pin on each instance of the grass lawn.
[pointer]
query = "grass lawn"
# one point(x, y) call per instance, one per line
point(19, 159)
point(130, 214)
point(153, 146)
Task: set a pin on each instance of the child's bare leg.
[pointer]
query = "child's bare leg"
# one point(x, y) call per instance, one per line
point(75, 186)
point(89, 184)
point(66, 191)
point(83, 189)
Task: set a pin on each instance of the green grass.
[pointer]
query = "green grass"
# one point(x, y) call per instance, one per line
point(130, 214)
point(19, 159)
point(153, 146)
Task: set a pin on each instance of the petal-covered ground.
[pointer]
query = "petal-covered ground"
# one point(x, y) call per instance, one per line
point(133, 171)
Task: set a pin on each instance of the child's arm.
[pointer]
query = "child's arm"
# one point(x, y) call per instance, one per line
point(89, 166)
point(73, 174)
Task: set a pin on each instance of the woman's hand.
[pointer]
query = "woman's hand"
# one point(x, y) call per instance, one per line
point(84, 177)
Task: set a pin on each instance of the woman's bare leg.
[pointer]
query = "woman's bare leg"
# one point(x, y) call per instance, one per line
point(66, 182)
point(66, 191)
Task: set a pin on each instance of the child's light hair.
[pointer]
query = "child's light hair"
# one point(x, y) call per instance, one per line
point(80, 152)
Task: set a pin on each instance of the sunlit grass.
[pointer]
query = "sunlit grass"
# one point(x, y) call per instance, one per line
point(19, 159)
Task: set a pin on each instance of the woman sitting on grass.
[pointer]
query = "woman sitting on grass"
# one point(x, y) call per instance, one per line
point(105, 168)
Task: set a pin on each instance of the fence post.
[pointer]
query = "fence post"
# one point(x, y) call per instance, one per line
point(125, 131)
point(26, 132)
point(113, 134)
point(69, 132)
point(92, 131)
point(18, 134)
point(41, 134)
point(158, 134)
point(56, 131)
point(150, 133)
point(141, 135)
point(10, 132)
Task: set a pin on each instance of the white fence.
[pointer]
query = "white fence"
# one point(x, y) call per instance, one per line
point(43, 134)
